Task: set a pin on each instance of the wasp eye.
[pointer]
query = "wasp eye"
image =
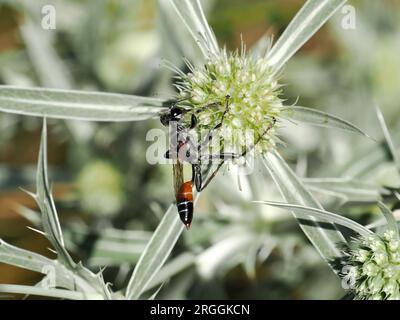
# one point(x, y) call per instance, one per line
point(176, 112)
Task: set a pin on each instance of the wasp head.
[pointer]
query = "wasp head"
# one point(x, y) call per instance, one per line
point(173, 114)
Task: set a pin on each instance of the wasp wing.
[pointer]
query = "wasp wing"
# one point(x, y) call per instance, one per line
point(177, 169)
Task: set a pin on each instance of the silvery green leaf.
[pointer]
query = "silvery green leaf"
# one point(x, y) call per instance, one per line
point(192, 15)
point(324, 238)
point(388, 138)
point(155, 294)
point(45, 201)
point(261, 47)
point(322, 215)
point(113, 251)
point(79, 105)
point(224, 254)
point(64, 277)
point(51, 71)
point(364, 162)
point(35, 262)
point(155, 254)
point(30, 215)
point(320, 118)
point(52, 228)
point(302, 27)
point(390, 219)
point(177, 42)
point(50, 292)
point(250, 261)
point(349, 189)
point(50, 68)
point(173, 267)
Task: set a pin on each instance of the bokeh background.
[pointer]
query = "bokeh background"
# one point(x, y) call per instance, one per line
point(110, 199)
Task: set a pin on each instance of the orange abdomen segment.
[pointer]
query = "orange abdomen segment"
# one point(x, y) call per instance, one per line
point(185, 192)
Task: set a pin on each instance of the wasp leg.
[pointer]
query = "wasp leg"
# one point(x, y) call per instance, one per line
point(210, 105)
point(231, 156)
point(259, 138)
point(193, 121)
point(213, 131)
point(202, 187)
point(197, 176)
point(221, 156)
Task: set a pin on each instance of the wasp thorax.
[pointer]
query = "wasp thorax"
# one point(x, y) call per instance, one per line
point(245, 83)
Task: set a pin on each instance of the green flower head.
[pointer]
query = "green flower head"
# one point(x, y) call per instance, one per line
point(375, 266)
point(242, 86)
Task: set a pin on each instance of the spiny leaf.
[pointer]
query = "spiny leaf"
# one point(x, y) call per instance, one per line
point(35, 262)
point(52, 228)
point(45, 201)
point(51, 292)
point(79, 105)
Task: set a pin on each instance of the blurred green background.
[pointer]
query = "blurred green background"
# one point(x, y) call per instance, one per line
point(110, 199)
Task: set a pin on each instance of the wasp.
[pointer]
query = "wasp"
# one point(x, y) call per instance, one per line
point(184, 149)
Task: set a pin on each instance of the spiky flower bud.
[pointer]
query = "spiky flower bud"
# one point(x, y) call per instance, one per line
point(243, 83)
point(375, 266)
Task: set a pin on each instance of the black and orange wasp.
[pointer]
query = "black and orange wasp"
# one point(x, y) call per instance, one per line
point(183, 149)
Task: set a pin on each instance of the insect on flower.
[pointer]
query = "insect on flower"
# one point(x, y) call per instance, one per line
point(184, 149)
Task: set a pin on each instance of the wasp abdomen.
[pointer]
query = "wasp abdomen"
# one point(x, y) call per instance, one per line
point(184, 202)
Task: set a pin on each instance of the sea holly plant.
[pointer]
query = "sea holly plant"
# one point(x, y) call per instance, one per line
point(371, 268)
point(371, 264)
point(244, 87)
point(62, 272)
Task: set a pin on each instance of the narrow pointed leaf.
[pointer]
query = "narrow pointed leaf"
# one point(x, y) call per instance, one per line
point(51, 70)
point(79, 105)
point(51, 224)
point(35, 262)
point(45, 201)
point(192, 15)
point(324, 238)
point(155, 254)
point(388, 138)
point(303, 26)
point(362, 164)
point(391, 220)
point(177, 42)
point(223, 254)
point(64, 278)
point(321, 119)
point(173, 267)
point(155, 294)
point(54, 293)
point(261, 47)
point(322, 215)
point(349, 189)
